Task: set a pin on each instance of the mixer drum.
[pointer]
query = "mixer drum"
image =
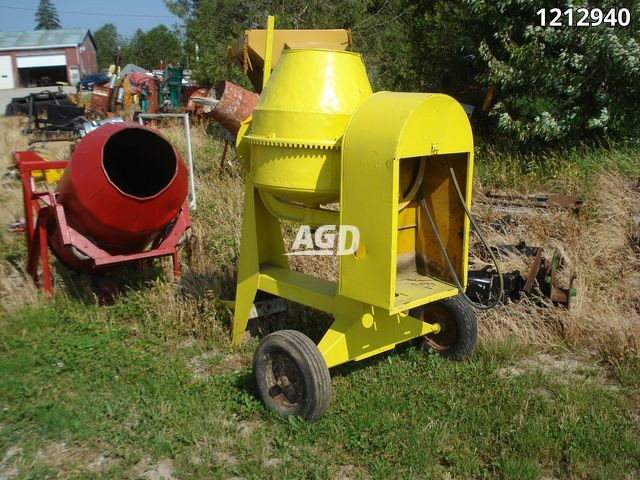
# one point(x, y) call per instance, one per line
point(299, 121)
point(124, 185)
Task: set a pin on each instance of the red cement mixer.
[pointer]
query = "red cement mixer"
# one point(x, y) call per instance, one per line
point(121, 199)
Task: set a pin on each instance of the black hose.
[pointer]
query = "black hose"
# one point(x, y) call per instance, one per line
point(443, 251)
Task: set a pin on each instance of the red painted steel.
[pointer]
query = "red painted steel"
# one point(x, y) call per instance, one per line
point(120, 199)
point(124, 183)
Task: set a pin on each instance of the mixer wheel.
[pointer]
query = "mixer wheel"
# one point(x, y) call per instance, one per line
point(458, 328)
point(291, 375)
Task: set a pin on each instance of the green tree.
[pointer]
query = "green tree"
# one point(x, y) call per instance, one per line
point(47, 16)
point(551, 86)
point(562, 84)
point(108, 41)
point(149, 49)
point(215, 24)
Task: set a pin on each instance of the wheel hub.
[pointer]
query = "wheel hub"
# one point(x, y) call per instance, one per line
point(284, 380)
point(446, 336)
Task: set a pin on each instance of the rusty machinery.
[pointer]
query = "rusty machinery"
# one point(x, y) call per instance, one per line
point(120, 200)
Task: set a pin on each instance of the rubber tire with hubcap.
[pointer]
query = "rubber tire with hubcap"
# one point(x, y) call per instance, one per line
point(291, 375)
point(458, 327)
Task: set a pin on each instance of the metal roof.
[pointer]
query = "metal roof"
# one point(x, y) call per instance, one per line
point(43, 39)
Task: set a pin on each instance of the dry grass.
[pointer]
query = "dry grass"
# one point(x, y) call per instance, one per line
point(606, 315)
point(14, 289)
point(596, 244)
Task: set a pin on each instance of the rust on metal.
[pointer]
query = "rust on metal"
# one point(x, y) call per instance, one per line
point(533, 271)
point(101, 99)
point(235, 104)
point(520, 203)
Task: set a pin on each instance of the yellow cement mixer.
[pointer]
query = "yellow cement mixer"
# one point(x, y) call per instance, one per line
point(399, 168)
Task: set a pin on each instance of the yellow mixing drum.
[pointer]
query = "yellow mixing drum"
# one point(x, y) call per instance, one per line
point(394, 163)
point(298, 125)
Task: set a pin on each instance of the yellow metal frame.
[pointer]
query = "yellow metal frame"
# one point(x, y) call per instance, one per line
point(268, 50)
point(251, 51)
point(359, 330)
point(389, 142)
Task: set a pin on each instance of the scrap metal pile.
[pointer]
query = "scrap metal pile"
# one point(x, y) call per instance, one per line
point(541, 282)
point(57, 115)
point(152, 91)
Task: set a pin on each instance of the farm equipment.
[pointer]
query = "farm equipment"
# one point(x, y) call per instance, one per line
point(258, 47)
point(170, 88)
point(120, 200)
point(34, 103)
point(394, 163)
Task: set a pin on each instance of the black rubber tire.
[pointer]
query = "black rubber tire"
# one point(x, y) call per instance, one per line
point(289, 353)
point(459, 334)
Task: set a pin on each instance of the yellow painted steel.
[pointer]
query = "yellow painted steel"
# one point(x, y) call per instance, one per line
point(319, 135)
point(387, 130)
point(49, 176)
point(268, 50)
point(299, 121)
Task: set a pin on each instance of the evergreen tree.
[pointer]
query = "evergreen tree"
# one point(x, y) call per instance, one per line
point(46, 16)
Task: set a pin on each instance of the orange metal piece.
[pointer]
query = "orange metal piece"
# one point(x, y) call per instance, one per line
point(235, 105)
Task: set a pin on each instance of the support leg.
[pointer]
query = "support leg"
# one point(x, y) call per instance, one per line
point(176, 266)
point(224, 157)
point(261, 243)
point(44, 257)
point(245, 294)
point(33, 256)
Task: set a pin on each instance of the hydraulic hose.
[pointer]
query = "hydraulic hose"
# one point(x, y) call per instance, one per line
point(443, 251)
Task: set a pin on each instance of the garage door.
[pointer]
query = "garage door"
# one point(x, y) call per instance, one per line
point(50, 60)
point(6, 72)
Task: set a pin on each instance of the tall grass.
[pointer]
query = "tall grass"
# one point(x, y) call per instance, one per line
point(575, 169)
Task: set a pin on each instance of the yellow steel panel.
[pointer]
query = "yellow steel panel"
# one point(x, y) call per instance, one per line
point(353, 336)
point(407, 225)
point(413, 290)
point(268, 50)
point(447, 213)
point(311, 96)
point(438, 125)
point(255, 40)
point(386, 128)
point(298, 287)
point(249, 51)
point(299, 121)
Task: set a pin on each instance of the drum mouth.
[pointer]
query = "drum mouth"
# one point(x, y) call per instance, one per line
point(139, 162)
